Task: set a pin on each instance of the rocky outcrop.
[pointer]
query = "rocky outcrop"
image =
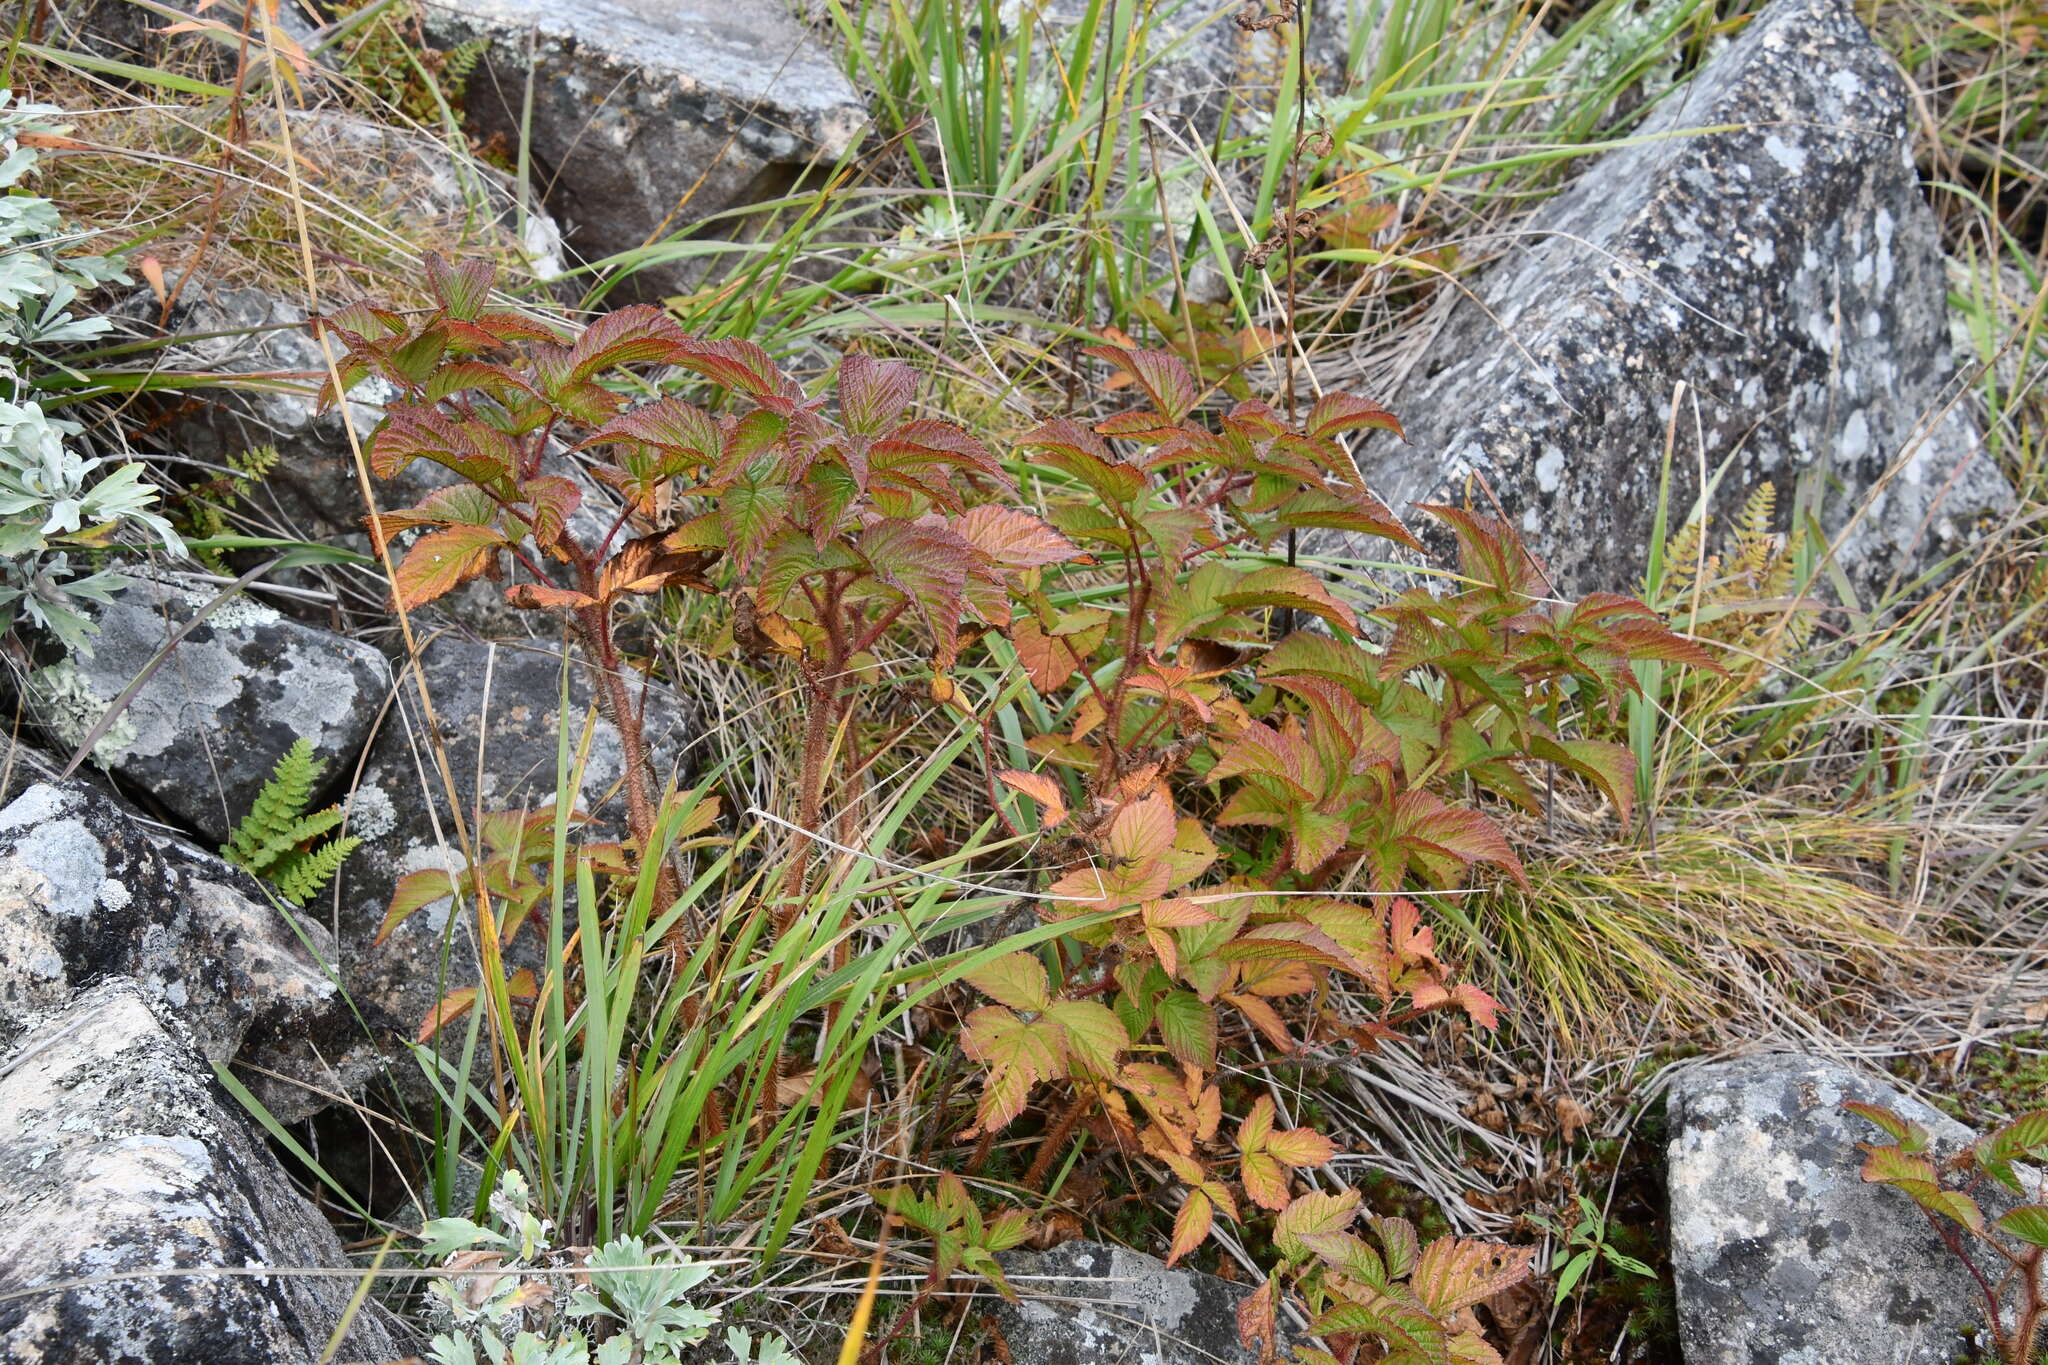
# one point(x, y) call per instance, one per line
point(1762, 241)
point(1783, 1256)
point(87, 893)
point(649, 115)
point(133, 1192)
point(506, 699)
point(1086, 1302)
point(203, 734)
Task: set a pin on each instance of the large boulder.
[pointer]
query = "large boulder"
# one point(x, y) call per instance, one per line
point(649, 115)
point(1085, 1302)
point(505, 698)
point(87, 893)
point(1781, 264)
point(1782, 1254)
point(204, 733)
point(134, 1191)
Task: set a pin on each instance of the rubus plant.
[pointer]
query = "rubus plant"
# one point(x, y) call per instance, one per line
point(1336, 766)
point(840, 521)
point(1414, 1301)
point(2006, 1269)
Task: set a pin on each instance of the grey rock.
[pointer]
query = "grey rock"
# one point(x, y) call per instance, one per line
point(301, 1046)
point(649, 115)
point(1783, 1256)
point(505, 697)
point(1088, 1303)
point(120, 1159)
point(206, 730)
point(87, 893)
point(1786, 270)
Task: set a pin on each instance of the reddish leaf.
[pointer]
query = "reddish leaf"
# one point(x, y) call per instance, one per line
point(1191, 1225)
point(1160, 374)
point(1017, 980)
point(635, 335)
point(873, 394)
point(443, 561)
point(1095, 1037)
point(541, 597)
point(1042, 789)
point(1339, 412)
point(1312, 1212)
point(739, 365)
point(1454, 1273)
point(1014, 540)
point(463, 288)
point(1258, 1321)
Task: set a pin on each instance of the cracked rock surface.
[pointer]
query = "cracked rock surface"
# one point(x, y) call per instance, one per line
point(87, 893)
point(205, 731)
point(119, 1154)
point(1783, 1256)
point(1784, 267)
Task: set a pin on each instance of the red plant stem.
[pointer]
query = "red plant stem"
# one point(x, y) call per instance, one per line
point(1054, 1141)
point(1992, 1316)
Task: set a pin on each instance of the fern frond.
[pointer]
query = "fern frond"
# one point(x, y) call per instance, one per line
point(302, 831)
point(300, 876)
point(277, 807)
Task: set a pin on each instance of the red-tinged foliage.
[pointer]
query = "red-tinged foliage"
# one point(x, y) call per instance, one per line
point(2006, 1255)
point(844, 525)
point(1343, 754)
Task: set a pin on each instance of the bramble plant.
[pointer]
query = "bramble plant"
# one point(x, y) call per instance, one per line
point(1337, 762)
point(2015, 1298)
point(840, 524)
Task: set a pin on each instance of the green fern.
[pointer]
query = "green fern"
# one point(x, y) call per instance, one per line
point(275, 840)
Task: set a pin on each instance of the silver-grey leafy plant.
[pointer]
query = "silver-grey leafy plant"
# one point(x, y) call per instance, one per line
point(57, 504)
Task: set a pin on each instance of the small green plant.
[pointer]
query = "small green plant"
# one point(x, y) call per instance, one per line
point(2006, 1268)
point(961, 1238)
point(279, 841)
point(204, 508)
point(1585, 1243)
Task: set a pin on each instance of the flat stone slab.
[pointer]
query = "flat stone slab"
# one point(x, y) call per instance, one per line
point(1089, 1303)
point(1764, 242)
point(207, 729)
point(123, 1166)
point(1783, 1256)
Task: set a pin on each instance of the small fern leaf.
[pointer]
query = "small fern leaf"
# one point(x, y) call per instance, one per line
point(272, 853)
point(277, 808)
point(301, 875)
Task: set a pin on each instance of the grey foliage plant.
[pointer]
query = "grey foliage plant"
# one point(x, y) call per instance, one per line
point(59, 507)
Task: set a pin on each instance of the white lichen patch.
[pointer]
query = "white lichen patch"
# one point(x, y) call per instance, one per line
point(371, 814)
point(69, 706)
point(71, 862)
